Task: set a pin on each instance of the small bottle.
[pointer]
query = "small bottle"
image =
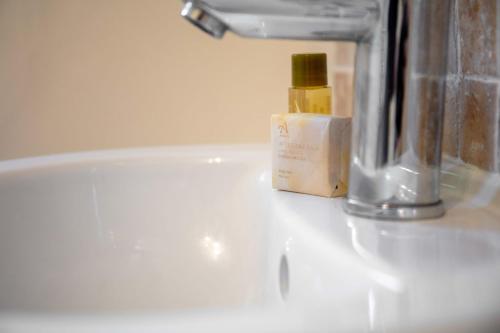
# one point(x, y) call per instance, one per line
point(310, 92)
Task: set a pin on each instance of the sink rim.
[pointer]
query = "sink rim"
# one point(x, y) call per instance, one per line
point(50, 160)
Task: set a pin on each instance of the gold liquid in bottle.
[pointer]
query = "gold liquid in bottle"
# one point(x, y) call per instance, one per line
point(310, 92)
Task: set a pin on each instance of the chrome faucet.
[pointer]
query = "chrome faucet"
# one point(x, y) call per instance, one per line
point(400, 84)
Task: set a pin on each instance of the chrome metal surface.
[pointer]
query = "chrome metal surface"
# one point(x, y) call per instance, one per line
point(203, 20)
point(394, 212)
point(292, 19)
point(399, 88)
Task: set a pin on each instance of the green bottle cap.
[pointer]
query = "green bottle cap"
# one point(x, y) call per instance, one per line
point(309, 70)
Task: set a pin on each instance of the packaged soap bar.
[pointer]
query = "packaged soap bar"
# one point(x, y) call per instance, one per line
point(310, 153)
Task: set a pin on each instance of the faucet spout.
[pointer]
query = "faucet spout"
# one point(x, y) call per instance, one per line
point(292, 19)
point(400, 82)
point(203, 19)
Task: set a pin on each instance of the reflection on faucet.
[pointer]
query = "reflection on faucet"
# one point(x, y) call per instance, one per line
point(400, 84)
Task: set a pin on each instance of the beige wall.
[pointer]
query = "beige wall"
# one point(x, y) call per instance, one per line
point(100, 74)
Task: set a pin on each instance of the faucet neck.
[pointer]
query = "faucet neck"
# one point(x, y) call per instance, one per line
point(400, 85)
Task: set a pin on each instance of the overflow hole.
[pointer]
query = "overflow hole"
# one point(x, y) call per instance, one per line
point(284, 277)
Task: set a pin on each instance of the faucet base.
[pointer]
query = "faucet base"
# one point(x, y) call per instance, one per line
point(393, 211)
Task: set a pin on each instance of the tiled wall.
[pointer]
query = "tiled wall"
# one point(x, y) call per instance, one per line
point(472, 111)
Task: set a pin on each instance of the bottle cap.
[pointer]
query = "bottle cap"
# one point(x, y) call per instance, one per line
point(309, 70)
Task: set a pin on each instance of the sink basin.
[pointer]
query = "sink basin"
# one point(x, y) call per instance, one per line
point(189, 239)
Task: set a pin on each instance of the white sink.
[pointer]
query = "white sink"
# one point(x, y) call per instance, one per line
point(190, 239)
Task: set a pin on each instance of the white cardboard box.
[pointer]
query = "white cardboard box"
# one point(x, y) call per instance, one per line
point(310, 153)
